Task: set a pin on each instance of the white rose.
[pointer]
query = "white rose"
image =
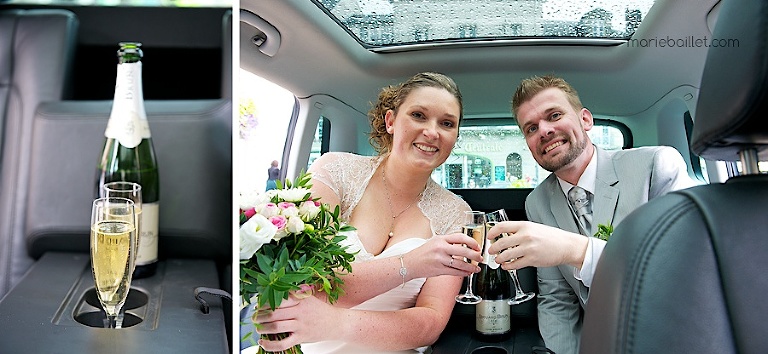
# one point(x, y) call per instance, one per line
point(250, 200)
point(268, 210)
point(293, 194)
point(308, 210)
point(295, 225)
point(280, 234)
point(288, 209)
point(253, 234)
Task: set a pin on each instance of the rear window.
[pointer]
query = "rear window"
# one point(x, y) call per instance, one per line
point(498, 157)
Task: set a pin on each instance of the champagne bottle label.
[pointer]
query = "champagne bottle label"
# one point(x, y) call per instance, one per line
point(128, 120)
point(492, 317)
point(148, 238)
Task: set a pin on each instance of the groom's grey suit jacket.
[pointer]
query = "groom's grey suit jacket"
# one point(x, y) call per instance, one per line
point(625, 180)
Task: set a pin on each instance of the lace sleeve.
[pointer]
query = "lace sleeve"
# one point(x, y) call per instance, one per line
point(443, 209)
point(345, 174)
point(321, 173)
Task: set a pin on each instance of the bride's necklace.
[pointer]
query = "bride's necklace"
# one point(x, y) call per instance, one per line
point(391, 208)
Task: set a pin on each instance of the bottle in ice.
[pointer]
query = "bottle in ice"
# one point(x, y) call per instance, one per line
point(129, 155)
point(492, 314)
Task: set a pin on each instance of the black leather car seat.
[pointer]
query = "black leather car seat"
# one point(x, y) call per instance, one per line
point(37, 49)
point(686, 272)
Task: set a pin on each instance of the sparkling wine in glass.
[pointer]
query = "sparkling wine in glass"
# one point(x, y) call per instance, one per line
point(128, 190)
point(492, 219)
point(113, 243)
point(474, 226)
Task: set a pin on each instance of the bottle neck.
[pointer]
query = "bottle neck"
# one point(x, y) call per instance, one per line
point(128, 86)
point(128, 120)
point(488, 258)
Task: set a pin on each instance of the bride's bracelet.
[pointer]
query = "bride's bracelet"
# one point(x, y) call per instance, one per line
point(403, 271)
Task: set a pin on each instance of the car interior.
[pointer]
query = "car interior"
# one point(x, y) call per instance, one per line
point(686, 74)
point(58, 80)
point(643, 79)
point(693, 257)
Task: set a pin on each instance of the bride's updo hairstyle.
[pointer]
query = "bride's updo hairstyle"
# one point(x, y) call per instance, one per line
point(391, 97)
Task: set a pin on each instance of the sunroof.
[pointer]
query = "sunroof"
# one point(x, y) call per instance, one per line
point(124, 3)
point(387, 23)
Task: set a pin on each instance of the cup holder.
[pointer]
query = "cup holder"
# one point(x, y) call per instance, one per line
point(92, 314)
point(96, 319)
point(489, 350)
point(135, 299)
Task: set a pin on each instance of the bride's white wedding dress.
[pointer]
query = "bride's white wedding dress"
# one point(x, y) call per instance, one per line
point(395, 299)
point(343, 173)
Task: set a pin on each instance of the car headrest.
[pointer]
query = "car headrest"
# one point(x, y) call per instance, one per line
point(730, 113)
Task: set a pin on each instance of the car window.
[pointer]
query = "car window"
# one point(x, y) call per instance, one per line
point(762, 165)
point(495, 156)
point(321, 141)
point(381, 24)
point(264, 114)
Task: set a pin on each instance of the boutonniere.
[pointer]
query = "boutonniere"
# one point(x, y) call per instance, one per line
point(604, 231)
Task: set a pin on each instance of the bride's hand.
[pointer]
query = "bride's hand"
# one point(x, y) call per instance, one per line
point(444, 255)
point(306, 318)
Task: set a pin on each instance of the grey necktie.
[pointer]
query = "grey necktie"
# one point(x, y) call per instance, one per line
point(579, 199)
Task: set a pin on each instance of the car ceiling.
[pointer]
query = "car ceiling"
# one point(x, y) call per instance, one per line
point(317, 57)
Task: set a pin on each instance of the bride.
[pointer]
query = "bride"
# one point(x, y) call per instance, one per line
point(408, 269)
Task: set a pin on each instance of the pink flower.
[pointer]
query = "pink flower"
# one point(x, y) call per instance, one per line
point(279, 221)
point(250, 212)
point(268, 210)
point(288, 209)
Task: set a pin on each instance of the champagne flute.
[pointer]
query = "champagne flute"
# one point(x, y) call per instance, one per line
point(128, 190)
point(113, 243)
point(494, 218)
point(474, 226)
point(132, 191)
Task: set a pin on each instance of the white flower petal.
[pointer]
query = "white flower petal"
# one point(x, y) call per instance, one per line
point(253, 234)
point(293, 194)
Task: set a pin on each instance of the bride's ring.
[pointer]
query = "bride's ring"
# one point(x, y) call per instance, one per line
point(450, 264)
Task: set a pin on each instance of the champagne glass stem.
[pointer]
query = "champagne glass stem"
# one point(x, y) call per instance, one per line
point(520, 295)
point(474, 227)
point(468, 297)
point(119, 319)
point(110, 321)
point(518, 288)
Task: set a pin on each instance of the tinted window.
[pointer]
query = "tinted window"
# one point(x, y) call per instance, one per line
point(498, 157)
point(321, 140)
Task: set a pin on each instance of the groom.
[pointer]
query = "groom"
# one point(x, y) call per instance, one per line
point(557, 239)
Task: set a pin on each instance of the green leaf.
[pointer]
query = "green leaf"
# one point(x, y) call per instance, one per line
point(604, 232)
point(264, 262)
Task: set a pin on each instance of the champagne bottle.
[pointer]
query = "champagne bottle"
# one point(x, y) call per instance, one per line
point(128, 153)
point(492, 314)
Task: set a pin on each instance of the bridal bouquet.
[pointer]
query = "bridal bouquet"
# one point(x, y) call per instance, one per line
point(288, 242)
